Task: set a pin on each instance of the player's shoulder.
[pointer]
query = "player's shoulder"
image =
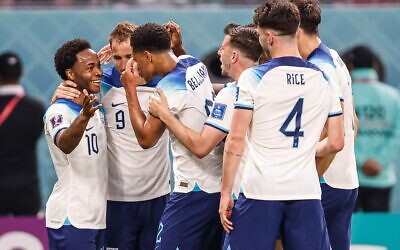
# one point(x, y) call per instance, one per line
point(321, 55)
point(111, 77)
point(230, 90)
point(63, 106)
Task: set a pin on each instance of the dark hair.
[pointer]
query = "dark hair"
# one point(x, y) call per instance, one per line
point(10, 67)
point(362, 56)
point(65, 56)
point(151, 37)
point(121, 32)
point(246, 40)
point(310, 15)
point(280, 15)
point(229, 27)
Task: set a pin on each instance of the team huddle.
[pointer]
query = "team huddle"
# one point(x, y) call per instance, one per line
point(266, 163)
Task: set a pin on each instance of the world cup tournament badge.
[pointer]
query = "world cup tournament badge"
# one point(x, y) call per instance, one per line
point(56, 120)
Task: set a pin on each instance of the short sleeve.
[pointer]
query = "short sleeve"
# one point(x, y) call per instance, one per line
point(336, 108)
point(221, 113)
point(56, 119)
point(246, 86)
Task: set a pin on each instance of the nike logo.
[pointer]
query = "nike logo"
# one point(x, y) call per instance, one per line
point(116, 104)
point(89, 128)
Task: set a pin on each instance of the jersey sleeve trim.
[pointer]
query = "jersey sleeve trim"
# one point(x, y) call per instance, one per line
point(56, 133)
point(209, 123)
point(243, 106)
point(335, 114)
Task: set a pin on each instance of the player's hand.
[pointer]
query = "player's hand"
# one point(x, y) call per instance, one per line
point(130, 77)
point(66, 89)
point(158, 105)
point(105, 54)
point(88, 108)
point(225, 212)
point(371, 167)
point(176, 37)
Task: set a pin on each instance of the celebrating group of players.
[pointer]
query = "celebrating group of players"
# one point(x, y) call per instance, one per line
point(249, 164)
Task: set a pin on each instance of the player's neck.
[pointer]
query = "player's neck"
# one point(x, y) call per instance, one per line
point(166, 63)
point(309, 45)
point(285, 49)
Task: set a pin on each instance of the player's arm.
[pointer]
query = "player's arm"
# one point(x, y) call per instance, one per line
point(176, 38)
point(67, 90)
point(200, 144)
point(334, 142)
point(234, 147)
point(355, 124)
point(148, 129)
point(323, 163)
point(67, 139)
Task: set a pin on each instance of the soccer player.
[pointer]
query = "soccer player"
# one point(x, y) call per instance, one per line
point(239, 50)
point(75, 134)
point(138, 182)
point(189, 220)
point(283, 106)
point(340, 182)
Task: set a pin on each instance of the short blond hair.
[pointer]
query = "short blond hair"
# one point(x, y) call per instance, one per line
point(122, 32)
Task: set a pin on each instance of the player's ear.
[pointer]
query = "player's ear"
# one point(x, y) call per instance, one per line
point(148, 56)
point(70, 74)
point(235, 56)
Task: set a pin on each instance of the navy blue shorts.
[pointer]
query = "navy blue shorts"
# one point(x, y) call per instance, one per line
point(133, 225)
point(190, 222)
point(338, 206)
point(257, 224)
point(70, 237)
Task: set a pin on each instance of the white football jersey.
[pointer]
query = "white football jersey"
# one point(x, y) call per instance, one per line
point(190, 97)
point(80, 192)
point(135, 174)
point(291, 101)
point(342, 173)
point(221, 117)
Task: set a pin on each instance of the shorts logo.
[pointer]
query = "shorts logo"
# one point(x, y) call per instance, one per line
point(56, 120)
point(218, 111)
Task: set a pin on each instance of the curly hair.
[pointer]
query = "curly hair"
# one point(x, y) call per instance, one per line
point(65, 56)
point(310, 15)
point(121, 32)
point(280, 15)
point(246, 40)
point(151, 37)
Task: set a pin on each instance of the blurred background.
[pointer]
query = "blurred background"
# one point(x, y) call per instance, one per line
point(34, 29)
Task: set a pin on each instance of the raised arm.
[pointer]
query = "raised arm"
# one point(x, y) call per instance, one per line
point(176, 38)
point(148, 129)
point(69, 138)
point(200, 144)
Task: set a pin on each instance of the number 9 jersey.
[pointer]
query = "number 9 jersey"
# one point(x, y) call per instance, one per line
point(135, 174)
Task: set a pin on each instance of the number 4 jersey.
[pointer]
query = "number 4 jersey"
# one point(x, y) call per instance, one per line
point(291, 101)
point(81, 189)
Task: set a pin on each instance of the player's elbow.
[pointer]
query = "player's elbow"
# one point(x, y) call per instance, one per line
point(145, 143)
point(201, 153)
point(337, 144)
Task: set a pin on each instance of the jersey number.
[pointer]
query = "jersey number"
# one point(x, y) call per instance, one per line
point(93, 147)
point(294, 114)
point(120, 119)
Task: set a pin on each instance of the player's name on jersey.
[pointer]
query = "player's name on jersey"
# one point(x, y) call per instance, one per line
point(196, 80)
point(295, 79)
